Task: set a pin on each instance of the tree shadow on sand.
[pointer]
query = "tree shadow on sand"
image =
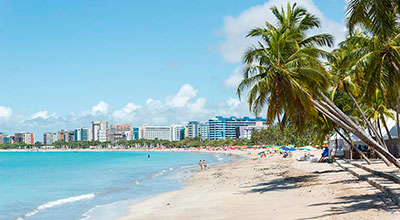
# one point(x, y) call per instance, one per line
point(349, 204)
point(281, 184)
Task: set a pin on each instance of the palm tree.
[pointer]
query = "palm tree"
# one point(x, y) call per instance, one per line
point(380, 65)
point(284, 66)
point(378, 16)
point(285, 73)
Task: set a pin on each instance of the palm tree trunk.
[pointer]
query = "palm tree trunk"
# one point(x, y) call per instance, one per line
point(380, 135)
point(389, 135)
point(351, 144)
point(353, 125)
point(398, 121)
point(364, 117)
point(357, 131)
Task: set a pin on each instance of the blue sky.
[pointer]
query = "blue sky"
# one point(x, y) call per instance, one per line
point(65, 63)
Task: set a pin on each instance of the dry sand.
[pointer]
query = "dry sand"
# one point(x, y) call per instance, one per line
point(269, 188)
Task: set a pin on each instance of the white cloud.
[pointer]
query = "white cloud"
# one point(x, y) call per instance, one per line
point(236, 28)
point(234, 79)
point(186, 93)
point(233, 103)
point(160, 120)
point(154, 106)
point(5, 113)
point(153, 112)
point(127, 113)
point(198, 106)
point(100, 109)
point(42, 114)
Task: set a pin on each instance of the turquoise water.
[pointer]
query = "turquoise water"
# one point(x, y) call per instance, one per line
point(66, 185)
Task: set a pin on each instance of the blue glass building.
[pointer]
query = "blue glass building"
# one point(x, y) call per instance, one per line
point(223, 128)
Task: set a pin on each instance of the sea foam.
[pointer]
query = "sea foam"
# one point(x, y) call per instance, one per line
point(58, 202)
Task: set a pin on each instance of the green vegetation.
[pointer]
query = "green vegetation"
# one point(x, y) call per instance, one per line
point(349, 90)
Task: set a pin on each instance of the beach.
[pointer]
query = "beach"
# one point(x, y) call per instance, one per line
point(269, 188)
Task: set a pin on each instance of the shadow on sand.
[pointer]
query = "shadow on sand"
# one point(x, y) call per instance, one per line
point(341, 205)
point(282, 184)
point(349, 204)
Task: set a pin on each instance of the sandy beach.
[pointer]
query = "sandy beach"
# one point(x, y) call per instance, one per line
point(269, 188)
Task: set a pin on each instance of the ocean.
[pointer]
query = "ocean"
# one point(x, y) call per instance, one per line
point(89, 185)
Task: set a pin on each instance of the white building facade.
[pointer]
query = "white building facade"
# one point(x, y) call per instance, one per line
point(100, 131)
point(155, 132)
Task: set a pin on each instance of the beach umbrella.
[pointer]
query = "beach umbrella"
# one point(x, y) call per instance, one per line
point(308, 148)
point(237, 147)
point(262, 152)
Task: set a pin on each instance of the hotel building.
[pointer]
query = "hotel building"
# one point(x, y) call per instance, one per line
point(246, 131)
point(83, 134)
point(49, 138)
point(193, 129)
point(176, 132)
point(100, 131)
point(155, 132)
point(24, 137)
point(120, 132)
point(223, 128)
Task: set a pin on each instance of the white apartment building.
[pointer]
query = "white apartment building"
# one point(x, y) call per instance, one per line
point(193, 129)
point(49, 138)
point(100, 130)
point(176, 132)
point(155, 132)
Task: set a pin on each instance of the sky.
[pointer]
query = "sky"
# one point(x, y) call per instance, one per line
point(66, 63)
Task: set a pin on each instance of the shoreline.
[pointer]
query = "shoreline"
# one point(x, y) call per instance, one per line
point(115, 208)
point(267, 188)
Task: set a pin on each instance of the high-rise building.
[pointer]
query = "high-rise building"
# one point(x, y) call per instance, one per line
point(135, 133)
point(246, 131)
point(49, 138)
point(204, 131)
point(128, 136)
point(66, 136)
point(116, 132)
point(155, 132)
point(3, 138)
point(9, 139)
point(193, 129)
point(100, 131)
point(182, 133)
point(222, 128)
point(61, 136)
point(176, 132)
point(24, 137)
point(83, 134)
point(78, 134)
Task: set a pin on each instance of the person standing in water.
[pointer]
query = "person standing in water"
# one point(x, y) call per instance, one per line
point(204, 164)
point(201, 165)
point(148, 156)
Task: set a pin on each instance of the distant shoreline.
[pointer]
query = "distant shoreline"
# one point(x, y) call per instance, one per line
point(243, 153)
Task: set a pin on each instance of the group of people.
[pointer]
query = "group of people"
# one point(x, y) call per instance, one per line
point(286, 154)
point(203, 164)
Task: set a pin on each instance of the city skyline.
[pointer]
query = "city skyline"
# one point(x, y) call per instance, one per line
point(83, 76)
point(215, 128)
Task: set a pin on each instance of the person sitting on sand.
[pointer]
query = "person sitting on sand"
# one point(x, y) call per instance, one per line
point(204, 164)
point(201, 165)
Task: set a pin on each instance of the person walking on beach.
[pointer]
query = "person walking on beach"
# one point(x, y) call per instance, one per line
point(201, 165)
point(204, 164)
